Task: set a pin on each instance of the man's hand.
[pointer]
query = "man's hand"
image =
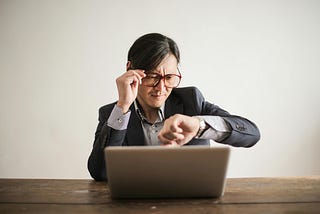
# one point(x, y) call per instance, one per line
point(179, 129)
point(127, 85)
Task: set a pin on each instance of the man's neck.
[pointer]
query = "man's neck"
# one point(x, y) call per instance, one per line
point(151, 114)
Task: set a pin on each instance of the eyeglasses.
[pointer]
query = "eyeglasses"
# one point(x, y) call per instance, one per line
point(170, 80)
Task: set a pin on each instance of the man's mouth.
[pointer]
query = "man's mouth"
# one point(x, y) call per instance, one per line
point(157, 95)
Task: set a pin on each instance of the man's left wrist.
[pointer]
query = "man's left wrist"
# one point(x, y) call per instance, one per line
point(202, 127)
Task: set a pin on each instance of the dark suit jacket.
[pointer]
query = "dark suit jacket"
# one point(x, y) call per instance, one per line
point(188, 101)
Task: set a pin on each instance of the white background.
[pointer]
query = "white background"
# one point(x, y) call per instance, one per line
point(59, 60)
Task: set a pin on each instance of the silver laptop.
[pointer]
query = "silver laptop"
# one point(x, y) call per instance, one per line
point(166, 172)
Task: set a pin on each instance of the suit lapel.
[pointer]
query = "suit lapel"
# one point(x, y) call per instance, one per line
point(135, 135)
point(173, 106)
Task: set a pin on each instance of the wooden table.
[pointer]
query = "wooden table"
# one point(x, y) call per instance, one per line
point(242, 195)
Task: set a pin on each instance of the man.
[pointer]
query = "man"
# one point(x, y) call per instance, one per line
point(151, 110)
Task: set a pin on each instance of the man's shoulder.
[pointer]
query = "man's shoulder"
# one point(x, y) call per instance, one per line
point(187, 95)
point(186, 92)
point(188, 99)
point(107, 108)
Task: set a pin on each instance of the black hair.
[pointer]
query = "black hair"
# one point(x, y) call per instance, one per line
point(149, 50)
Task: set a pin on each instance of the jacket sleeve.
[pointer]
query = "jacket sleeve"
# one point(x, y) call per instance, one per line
point(104, 136)
point(244, 133)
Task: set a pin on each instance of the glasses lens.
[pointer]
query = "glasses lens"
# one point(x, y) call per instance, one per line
point(153, 79)
point(171, 80)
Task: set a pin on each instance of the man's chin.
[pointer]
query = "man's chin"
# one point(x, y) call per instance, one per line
point(157, 104)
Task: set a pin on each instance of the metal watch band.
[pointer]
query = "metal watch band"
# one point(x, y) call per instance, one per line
point(202, 127)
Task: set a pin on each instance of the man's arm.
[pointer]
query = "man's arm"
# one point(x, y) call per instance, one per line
point(240, 132)
point(230, 129)
point(105, 136)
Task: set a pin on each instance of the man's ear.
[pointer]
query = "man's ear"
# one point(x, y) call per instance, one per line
point(128, 65)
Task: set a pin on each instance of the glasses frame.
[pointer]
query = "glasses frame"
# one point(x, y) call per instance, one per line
point(163, 77)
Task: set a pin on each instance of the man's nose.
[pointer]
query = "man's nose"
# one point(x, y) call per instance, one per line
point(161, 84)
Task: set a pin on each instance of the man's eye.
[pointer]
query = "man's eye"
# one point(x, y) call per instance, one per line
point(152, 76)
point(168, 77)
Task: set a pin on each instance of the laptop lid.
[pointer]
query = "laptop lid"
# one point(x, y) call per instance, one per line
point(166, 172)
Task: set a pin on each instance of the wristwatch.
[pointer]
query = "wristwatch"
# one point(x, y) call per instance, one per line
point(202, 127)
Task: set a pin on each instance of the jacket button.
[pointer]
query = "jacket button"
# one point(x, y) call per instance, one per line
point(241, 128)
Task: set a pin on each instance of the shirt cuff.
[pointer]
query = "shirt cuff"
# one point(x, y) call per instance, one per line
point(117, 120)
point(218, 128)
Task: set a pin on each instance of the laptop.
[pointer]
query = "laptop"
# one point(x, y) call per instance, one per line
point(166, 172)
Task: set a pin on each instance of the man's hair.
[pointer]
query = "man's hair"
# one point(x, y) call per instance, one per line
point(149, 50)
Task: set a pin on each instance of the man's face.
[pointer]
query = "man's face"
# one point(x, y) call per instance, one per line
point(154, 97)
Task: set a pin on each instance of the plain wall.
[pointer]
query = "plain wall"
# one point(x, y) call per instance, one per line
point(59, 60)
